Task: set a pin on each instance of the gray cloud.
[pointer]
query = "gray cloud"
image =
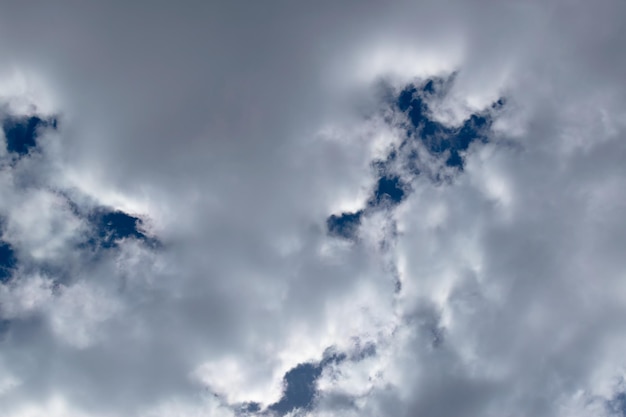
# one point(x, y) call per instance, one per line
point(235, 130)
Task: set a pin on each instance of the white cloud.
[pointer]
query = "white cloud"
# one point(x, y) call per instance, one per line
point(42, 223)
point(236, 130)
point(25, 296)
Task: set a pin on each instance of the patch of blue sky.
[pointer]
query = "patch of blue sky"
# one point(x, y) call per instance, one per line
point(300, 386)
point(8, 261)
point(21, 133)
point(439, 140)
point(344, 225)
point(111, 226)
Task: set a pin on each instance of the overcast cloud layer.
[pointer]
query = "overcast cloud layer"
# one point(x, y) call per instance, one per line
point(234, 130)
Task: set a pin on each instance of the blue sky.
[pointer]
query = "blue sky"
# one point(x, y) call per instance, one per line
point(325, 209)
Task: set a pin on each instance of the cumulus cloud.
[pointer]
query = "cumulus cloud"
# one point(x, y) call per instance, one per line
point(267, 209)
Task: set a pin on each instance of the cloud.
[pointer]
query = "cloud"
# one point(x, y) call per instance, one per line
point(231, 191)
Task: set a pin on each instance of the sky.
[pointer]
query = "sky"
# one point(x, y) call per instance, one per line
point(357, 208)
